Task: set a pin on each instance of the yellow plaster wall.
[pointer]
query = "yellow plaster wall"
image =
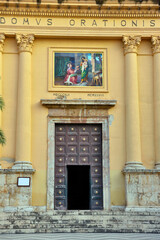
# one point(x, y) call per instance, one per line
point(9, 92)
point(39, 113)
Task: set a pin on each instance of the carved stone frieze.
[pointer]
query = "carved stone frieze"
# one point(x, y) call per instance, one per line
point(131, 44)
point(25, 42)
point(155, 40)
point(80, 9)
point(2, 38)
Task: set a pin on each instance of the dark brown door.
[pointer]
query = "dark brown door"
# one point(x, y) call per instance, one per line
point(78, 145)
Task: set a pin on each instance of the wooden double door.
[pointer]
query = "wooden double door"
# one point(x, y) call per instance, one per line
point(78, 166)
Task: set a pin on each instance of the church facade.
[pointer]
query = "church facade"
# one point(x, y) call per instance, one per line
point(81, 82)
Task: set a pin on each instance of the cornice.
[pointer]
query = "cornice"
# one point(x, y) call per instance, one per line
point(81, 10)
point(56, 103)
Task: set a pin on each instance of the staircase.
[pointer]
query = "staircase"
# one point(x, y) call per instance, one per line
point(80, 222)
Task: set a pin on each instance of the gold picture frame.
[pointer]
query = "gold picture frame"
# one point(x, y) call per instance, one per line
point(77, 70)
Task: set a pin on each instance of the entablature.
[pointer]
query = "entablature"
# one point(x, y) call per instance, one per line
point(75, 8)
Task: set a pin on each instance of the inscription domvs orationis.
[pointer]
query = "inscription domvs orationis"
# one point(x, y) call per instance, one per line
point(79, 22)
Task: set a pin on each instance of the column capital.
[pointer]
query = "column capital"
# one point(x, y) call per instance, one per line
point(155, 41)
point(2, 38)
point(25, 42)
point(131, 43)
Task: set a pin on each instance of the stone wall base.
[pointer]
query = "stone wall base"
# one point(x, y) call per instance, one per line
point(11, 195)
point(142, 188)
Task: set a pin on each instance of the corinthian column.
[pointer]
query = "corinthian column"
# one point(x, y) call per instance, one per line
point(23, 131)
point(133, 141)
point(2, 38)
point(155, 40)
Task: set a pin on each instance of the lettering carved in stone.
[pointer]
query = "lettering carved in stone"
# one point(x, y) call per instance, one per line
point(131, 43)
point(155, 40)
point(2, 38)
point(25, 42)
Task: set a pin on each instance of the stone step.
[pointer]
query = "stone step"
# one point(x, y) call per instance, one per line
point(77, 230)
point(74, 223)
point(79, 221)
point(21, 215)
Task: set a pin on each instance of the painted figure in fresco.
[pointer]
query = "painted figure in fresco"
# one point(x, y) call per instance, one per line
point(84, 67)
point(71, 76)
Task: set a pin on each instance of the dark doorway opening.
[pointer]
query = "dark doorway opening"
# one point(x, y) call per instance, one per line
point(78, 187)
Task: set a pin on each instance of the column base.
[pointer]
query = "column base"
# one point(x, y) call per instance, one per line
point(134, 165)
point(22, 165)
point(143, 209)
point(157, 166)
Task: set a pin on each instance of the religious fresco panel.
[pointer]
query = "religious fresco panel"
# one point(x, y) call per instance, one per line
point(78, 69)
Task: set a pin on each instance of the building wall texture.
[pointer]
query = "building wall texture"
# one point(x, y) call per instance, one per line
point(132, 79)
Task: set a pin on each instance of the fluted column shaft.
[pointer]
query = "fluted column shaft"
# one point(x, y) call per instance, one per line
point(133, 140)
point(23, 131)
point(2, 38)
point(156, 69)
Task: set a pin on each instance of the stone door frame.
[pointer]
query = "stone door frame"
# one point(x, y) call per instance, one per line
point(51, 156)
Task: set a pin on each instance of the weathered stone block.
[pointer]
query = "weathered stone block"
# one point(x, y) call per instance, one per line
point(4, 197)
point(142, 187)
point(12, 178)
point(10, 194)
point(20, 197)
point(2, 180)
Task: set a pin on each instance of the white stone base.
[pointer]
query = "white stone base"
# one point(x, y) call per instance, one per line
point(11, 209)
point(134, 165)
point(142, 209)
point(22, 165)
point(12, 196)
point(142, 188)
point(157, 166)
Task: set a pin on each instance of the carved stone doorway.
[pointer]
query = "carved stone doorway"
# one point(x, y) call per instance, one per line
point(77, 112)
point(78, 145)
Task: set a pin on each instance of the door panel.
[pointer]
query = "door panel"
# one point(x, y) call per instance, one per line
point(78, 144)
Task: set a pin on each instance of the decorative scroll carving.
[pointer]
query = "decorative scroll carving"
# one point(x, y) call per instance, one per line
point(2, 38)
point(131, 44)
point(25, 42)
point(155, 40)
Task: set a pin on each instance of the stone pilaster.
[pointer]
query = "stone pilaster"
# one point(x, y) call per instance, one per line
point(155, 40)
point(2, 38)
point(133, 142)
point(23, 130)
